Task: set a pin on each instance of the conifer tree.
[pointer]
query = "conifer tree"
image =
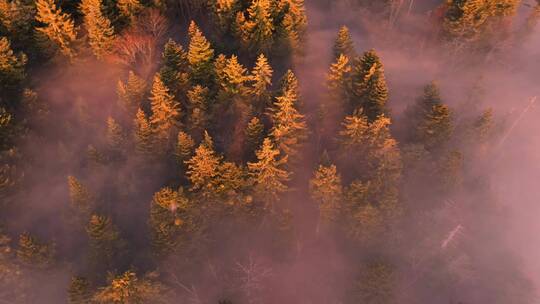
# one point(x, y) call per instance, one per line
point(106, 246)
point(132, 93)
point(198, 99)
point(375, 284)
point(235, 78)
point(17, 21)
point(144, 143)
point(254, 135)
point(431, 119)
point(81, 199)
point(174, 66)
point(99, 28)
point(200, 56)
point(339, 92)
point(471, 21)
point(344, 44)
point(184, 147)
point(79, 291)
point(261, 80)
point(327, 191)
point(165, 116)
point(12, 68)
point(267, 173)
point(203, 167)
point(129, 9)
point(169, 215)
point(115, 136)
point(259, 27)
point(289, 126)
point(369, 85)
point(289, 83)
point(128, 288)
point(57, 28)
point(32, 252)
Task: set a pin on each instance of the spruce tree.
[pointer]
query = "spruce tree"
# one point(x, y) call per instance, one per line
point(79, 291)
point(198, 117)
point(169, 216)
point(165, 116)
point(132, 93)
point(259, 27)
point(128, 288)
point(115, 136)
point(327, 191)
point(202, 168)
point(12, 69)
point(200, 56)
point(144, 143)
point(344, 44)
point(99, 28)
point(174, 66)
point(185, 146)
point(56, 27)
point(106, 246)
point(289, 129)
point(370, 92)
point(261, 80)
point(235, 78)
point(267, 173)
point(431, 120)
point(254, 135)
point(17, 21)
point(82, 201)
point(339, 92)
point(31, 252)
point(129, 9)
point(289, 83)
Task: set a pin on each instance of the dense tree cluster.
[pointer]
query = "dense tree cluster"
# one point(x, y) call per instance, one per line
point(209, 147)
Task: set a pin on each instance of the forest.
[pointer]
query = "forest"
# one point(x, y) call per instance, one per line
point(267, 151)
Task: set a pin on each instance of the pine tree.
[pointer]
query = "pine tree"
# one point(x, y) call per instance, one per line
point(79, 291)
point(268, 176)
point(174, 65)
point(327, 191)
point(81, 199)
point(165, 112)
point(344, 44)
point(198, 99)
point(32, 252)
point(115, 136)
point(291, 24)
point(12, 68)
point(261, 80)
point(369, 85)
point(289, 126)
point(57, 27)
point(203, 167)
point(144, 143)
point(200, 56)
point(132, 93)
point(169, 216)
point(106, 246)
point(99, 28)
point(185, 146)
